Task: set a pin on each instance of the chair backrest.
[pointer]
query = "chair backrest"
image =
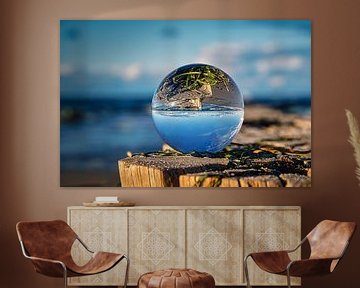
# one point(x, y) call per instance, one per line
point(46, 239)
point(329, 239)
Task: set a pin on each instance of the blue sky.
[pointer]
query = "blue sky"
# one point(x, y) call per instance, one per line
point(116, 58)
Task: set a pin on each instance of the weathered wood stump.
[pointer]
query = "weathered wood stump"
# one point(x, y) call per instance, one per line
point(273, 149)
point(164, 171)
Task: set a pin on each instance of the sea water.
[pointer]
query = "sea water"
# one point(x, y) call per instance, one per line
point(208, 130)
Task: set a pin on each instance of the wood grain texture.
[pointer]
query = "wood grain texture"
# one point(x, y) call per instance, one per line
point(271, 230)
point(212, 239)
point(157, 171)
point(156, 240)
point(214, 244)
point(101, 230)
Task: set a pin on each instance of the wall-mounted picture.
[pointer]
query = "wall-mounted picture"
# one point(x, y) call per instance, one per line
point(185, 103)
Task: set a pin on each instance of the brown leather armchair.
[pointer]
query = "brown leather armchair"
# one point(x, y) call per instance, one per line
point(48, 245)
point(328, 242)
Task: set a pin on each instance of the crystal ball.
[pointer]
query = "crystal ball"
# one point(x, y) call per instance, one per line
point(198, 108)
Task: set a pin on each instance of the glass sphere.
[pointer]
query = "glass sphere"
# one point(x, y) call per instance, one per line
point(198, 108)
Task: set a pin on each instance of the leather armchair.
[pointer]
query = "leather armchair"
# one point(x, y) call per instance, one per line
point(48, 245)
point(328, 243)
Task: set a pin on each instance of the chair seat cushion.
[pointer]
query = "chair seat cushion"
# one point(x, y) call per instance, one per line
point(176, 278)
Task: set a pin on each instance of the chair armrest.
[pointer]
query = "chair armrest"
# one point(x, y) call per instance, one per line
point(309, 267)
point(298, 246)
point(49, 267)
point(268, 253)
point(84, 245)
point(46, 260)
point(279, 251)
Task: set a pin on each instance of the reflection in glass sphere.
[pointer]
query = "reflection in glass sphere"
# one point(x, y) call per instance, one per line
point(198, 107)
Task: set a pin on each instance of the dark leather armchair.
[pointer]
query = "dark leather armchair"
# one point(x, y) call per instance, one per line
point(48, 245)
point(328, 242)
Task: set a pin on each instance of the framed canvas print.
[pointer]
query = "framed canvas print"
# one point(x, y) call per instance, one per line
point(185, 103)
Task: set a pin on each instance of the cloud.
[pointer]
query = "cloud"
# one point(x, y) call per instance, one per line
point(276, 81)
point(269, 48)
point(223, 55)
point(242, 57)
point(262, 69)
point(288, 63)
point(128, 73)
